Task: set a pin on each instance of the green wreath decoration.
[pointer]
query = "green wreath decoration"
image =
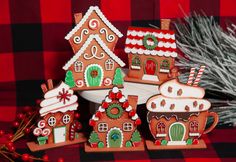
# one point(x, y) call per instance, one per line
point(114, 116)
point(150, 36)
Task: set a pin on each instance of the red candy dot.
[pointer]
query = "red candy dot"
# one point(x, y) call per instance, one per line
point(112, 95)
point(119, 95)
point(126, 104)
point(132, 113)
point(25, 157)
point(92, 123)
point(105, 105)
point(158, 142)
point(137, 122)
point(98, 114)
point(195, 142)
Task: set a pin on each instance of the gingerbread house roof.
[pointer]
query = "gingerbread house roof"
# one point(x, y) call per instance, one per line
point(166, 45)
point(115, 94)
point(86, 44)
point(86, 16)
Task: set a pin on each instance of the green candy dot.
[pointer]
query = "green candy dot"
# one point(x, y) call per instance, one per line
point(128, 144)
point(163, 142)
point(189, 141)
point(100, 144)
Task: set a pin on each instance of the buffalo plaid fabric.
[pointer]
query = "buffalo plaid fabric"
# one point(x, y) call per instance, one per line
point(33, 49)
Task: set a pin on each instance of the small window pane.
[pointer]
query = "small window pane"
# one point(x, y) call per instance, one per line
point(102, 127)
point(51, 121)
point(127, 127)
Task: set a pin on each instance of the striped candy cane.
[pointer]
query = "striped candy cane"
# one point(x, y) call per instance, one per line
point(199, 75)
point(191, 76)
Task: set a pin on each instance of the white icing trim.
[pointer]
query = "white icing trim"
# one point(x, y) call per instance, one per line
point(95, 118)
point(187, 91)
point(135, 67)
point(158, 35)
point(77, 39)
point(183, 133)
point(109, 38)
point(100, 109)
point(115, 89)
point(122, 99)
point(150, 77)
point(86, 16)
point(128, 109)
point(150, 52)
point(108, 100)
point(194, 134)
point(164, 70)
point(86, 44)
point(161, 135)
point(176, 143)
point(180, 104)
point(85, 72)
point(94, 51)
point(54, 92)
point(160, 43)
point(122, 136)
point(135, 117)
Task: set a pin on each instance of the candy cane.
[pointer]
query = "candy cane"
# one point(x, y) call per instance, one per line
point(199, 75)
point(37, 131)
point(79, 83)
point(191, 76)
point(46, 132)
point(41, 123)
point(94, 24)
point(72, 131)
point(107, 81)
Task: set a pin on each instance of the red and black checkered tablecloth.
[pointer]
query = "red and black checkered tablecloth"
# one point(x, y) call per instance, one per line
point(33, 49)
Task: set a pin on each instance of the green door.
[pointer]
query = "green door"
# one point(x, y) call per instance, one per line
point(177, 132)
point(114, 138)
point(93, 75)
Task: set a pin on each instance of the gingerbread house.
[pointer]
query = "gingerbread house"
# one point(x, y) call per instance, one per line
point(151, 54)
point(57, 125)
point(94, 65)
point(177, 117)
point(115, 124)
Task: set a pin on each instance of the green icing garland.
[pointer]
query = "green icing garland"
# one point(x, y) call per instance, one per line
point(150, 36)
point(114, 116)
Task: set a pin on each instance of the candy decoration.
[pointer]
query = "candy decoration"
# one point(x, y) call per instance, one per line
point(92, 123)
point(158, 142)
point(79, 83)
point(137, 122)
point(119, 95)
point(107, 81)
point(191, 76)
point(105, 105)
point(125, 104)
point(37, 131)
point(98, 114)
point(112, 95)
point(131, 113)
point(72, 131)
point(199, 75)
point(41, 123)
point(46, 132)
point(94, 24)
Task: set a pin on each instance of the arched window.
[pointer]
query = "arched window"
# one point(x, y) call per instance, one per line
point(193, 126)
point(165, 66)
point(161, 128)
point(78, 66)
point(66, 119)
point(136, 63)
point(109, 64)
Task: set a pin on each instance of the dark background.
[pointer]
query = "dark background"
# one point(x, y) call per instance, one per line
point(33, 48)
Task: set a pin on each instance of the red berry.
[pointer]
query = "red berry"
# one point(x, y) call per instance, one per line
point(126, 104)
point(45, 158)
point(60, 160)
point(15, 124)
point(15, 155)
point(98, 114)
point(137, 122)
point(29, 113)
point(79, 126)
point(119, 95)
point(25, 157)
point(10, 136)
point(157, 142)
point(38, 101)
point(112, 95)
point(132, 113)
point(27, 109)
point(27, 130)
point(92, 123)
point(11, 148)
point(1, 133)
point(9, 144)
point(77, 115)
point(20, 116)
point(105, 105)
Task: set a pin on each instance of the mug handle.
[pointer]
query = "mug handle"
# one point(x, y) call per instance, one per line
point(216, 119)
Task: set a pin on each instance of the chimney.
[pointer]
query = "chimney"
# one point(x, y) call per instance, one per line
point(78, 17)
point(165, 24)
point(133, 100)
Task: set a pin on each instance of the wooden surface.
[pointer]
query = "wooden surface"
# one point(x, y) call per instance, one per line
point(122, 149)
point(151, 146)
point(36, 147)
point(143, 91)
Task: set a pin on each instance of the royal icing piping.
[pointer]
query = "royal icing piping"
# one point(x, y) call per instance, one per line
point(94, 51)
point(109, 38)
point(78, 39)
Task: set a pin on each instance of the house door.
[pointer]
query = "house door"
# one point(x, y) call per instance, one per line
point(93, 75)
point(177, 132)
point(59, 134)
point(150, 69)
point(114, 137)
